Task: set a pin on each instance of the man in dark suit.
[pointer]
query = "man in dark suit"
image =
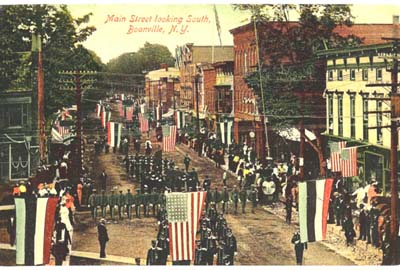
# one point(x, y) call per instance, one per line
point(103, 237)
point(11, 229)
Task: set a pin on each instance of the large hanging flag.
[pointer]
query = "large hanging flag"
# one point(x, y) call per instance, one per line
point(34, 229)
point(336, 148)
point(348, 158)
point(184, 211)
point(99, 108)
point(120, 108)
point(180, 119)
point(222, 128)
point(118, 131)
point(129, 113)
point(169, 138)
point(114, 131)
point(313, 209)
point(144, 123)
point(103, 119)
point(229, 133)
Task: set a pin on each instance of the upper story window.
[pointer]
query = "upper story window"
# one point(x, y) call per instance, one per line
point(13, 115)
point(365, 74)
point(352, 74)
point(379, 74)
point(340, 75)
point(330, 75)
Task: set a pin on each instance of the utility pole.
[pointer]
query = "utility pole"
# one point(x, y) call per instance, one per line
point(394, 117)
point(37, 46)
point(78, 83)
point(196, 85)
point(393, 153)
point(264, 118)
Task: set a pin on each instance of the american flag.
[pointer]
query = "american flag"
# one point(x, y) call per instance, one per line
point(144, 123)
point(62, 129)
point(169, 138)
point(349, 161)
point(183, 211)
point(336, 148)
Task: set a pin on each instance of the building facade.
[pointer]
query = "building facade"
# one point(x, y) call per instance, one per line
point(358, 109)
point(18, 140)
point(160, 88)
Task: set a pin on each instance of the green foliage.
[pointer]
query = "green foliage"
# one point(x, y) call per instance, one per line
point(60, 34)
point(147, 58)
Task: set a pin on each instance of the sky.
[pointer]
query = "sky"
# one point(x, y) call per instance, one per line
point(117, 33)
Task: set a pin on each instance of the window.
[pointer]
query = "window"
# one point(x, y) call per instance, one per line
point(352, 74)
point(365, 117)
point(330, 113)
point(379, 74)
point(13, 115)
point(340, 75)
point(340, 114)
point(352, 116)
point(365, 74)
point(330, 75)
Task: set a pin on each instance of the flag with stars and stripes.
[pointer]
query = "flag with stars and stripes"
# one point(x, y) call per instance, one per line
point(336, 148)
point(184, 212)
point(169, 139)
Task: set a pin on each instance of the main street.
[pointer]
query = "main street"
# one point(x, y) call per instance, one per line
point(263, 238)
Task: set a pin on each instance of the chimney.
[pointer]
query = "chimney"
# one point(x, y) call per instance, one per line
point(395, 19)
point(164, 66)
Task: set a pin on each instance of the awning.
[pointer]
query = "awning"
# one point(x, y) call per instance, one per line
point(293, 134)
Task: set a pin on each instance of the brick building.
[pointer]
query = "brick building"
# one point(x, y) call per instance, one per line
point(247, 120)
point(198, 61)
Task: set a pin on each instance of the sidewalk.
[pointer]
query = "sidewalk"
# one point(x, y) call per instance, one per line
point(360, 253)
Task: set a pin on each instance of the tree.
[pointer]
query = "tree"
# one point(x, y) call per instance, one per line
point(147, 58)
point(60, 33)
point(293, 74)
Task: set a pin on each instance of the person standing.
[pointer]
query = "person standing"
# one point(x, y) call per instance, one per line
point(93, 203)
point(235, 199)
point(186, 161)
point(103, 237)
point(363, 223)
point(112, 202)
point(129, 202)
point(121, 203)
point(103, 203)
point(224, 178)
point(230, 247)
point(225, 199)
point(153, 254)
point(243, 199)
point(253, 196)
point(103, 180)
point(298, 247)
point(11, 227)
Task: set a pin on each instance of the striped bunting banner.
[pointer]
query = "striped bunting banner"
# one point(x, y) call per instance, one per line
point(313, 209)
point(34, 229)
